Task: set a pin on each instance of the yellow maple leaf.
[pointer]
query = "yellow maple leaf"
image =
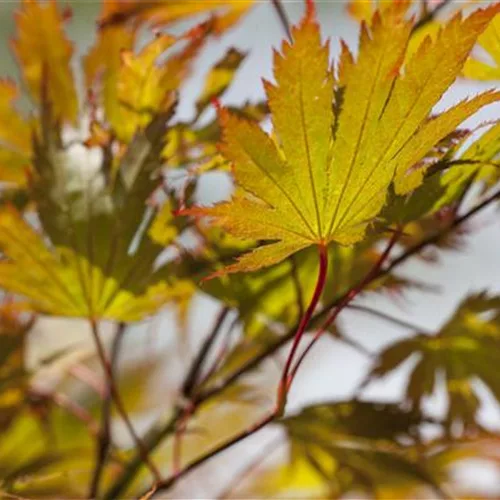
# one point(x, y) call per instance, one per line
point(141, 86)
point(326, 176)
point(63, 282)
point(164, 12)
point(102, 66)
point(478, 67)
point(44, 54)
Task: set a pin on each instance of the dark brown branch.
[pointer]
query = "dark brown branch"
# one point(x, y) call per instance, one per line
point(430, 16)
point(387, 317)
point(197, 364)
point(114, 396)
point(280, 10)
point(104, 434)
point(168, 483)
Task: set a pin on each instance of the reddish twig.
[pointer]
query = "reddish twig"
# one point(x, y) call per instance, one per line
point(320, 285)
point(374, 271)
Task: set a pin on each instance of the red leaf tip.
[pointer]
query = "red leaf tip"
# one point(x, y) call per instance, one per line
point(310, 9)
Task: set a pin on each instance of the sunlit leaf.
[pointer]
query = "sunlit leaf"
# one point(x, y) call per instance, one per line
point(164, 12)
point(317, 186)
point(486, 68)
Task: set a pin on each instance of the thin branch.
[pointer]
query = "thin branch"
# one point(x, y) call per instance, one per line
point(197, 364)
point(431, 240)
point(104, 434)
point(430, 16)
point(190, 384)
point(251, 467)
point(353, 293)
point(168, 483)
point(280, 10)
point(155, 437)
point(387, 317)
point(115, 397)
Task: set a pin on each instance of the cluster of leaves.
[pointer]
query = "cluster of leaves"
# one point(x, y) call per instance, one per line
point(92, 227)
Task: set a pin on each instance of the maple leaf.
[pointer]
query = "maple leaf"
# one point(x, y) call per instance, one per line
point(219, 78)
point(326, 176)
point(101, 235)
point(164, 12)
point(479, 67)
point(44, 54)
point(346, 447)
point(102, 65)
point(15, 137)
point(464, 349)
point(135, 86)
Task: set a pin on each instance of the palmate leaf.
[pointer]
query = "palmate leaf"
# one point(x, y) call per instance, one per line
point(342, 448)
point(479, 67)
point(102, 65)
point(99, 260)
point(477, 164)
point(135, 86)
point(64, 283)
point(225, 13)
point(327, 177)
point(465, 349)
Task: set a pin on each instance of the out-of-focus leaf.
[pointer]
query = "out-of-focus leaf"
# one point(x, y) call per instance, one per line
point(102, 67)
point(225, 13)
point(479, 67)
point(194, 146)
point(44, 54)
point(13, 330)
point(143, 87)
point(100, 260)
point(220, 77)
point(346, 448)
point(65, 283)
point(383, 129)
point(58, 461)
point(15, 137)
point(363, 10)
point(478, 163)
point(464, 350)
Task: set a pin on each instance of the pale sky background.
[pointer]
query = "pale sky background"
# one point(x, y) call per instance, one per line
point(333, 370)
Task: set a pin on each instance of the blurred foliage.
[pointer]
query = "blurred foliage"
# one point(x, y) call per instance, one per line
point(96, 175)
